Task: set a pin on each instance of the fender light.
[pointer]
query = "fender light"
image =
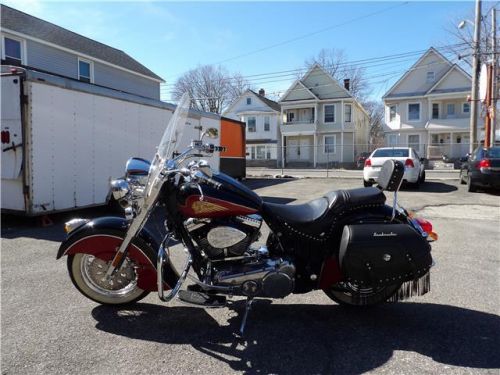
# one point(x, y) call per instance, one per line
point(368, 163)
point(71, 225)
point(426, 226)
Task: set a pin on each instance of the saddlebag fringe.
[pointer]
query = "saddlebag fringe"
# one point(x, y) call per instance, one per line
point(412, 288)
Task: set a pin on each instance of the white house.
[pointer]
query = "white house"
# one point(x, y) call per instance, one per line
point(261, 116)
point(427, 108)
point(321, 122)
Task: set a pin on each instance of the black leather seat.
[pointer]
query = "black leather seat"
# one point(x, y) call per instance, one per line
point(330, 205)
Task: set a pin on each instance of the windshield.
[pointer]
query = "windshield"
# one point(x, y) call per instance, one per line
point(391, 153)
point(170, 141)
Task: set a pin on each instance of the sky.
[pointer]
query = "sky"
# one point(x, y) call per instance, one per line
point(254, 38)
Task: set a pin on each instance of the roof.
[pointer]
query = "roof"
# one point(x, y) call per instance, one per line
point(15, 20)
point(449, 124)
point(270, 103)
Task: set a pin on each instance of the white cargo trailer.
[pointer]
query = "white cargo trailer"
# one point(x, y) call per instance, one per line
point(64, 140)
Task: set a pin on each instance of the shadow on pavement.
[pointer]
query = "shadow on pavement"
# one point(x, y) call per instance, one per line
point(286, 339)
point(431, 187)
point(258, 183)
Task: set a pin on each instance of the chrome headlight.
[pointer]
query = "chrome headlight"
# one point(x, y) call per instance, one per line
point(120, 189)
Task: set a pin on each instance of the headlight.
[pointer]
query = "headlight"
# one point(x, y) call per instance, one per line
point(119, 188)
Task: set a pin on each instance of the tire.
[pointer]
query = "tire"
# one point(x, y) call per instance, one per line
point(471, 187)
point(422, 178)
point(367, 183)
point(352, 295)
point(85, 271)
point(462, 180)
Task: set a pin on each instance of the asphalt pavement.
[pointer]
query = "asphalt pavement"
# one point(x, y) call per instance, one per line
point(49, 328)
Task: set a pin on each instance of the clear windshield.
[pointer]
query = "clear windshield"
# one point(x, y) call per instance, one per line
point(170, 141)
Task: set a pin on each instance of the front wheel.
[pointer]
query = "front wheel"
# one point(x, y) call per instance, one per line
point(349, 294)
point(87, 273)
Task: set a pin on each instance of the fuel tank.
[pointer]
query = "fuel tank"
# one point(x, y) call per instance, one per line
point(231, 199)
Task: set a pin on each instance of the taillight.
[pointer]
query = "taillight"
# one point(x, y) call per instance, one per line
point(485, 163)
point(424, 224)
point(368, 163)
point(409, 163)
point(5, 136)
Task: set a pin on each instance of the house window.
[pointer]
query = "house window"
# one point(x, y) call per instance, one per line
point(268, 152)
point(414, 141)
point(261, 152)
point(13, 52)
point(435, 110)
point(466, 107)
point(85, 71)
point(393, 139)
point(348, 113)
point(329, 113)
point(249, 101)
point(430, 77)
point(450, 109)
point(329, 141)
point(267, 124)
point(251, 125)
point(392, 113)
point(290, 116)
point(414, 112)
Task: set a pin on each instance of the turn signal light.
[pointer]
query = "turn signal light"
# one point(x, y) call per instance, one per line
point(368, 163)
point(485, 163)
point(409, 163)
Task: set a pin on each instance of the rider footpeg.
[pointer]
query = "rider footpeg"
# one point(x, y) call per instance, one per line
point(202, 299)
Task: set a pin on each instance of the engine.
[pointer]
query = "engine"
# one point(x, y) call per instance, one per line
point(225, 237)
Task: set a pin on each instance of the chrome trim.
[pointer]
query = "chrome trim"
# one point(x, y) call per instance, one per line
point(73, 224)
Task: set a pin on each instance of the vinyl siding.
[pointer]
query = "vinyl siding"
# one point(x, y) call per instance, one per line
point(51, 59)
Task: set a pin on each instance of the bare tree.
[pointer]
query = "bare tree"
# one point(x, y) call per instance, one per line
point(211, 87)
point(335, 62)
point(376, 113)
point(462, 42)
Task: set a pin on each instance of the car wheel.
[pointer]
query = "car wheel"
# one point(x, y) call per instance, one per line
point(462, 179)
point(471, 187)
point(367, 183)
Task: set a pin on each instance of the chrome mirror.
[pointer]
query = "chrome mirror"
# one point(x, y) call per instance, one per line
point(212, 133)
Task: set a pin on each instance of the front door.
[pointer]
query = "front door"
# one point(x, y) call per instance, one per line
point(298, 149)
point(305, 149)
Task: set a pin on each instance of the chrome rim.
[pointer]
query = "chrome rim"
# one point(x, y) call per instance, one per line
point(122, 284)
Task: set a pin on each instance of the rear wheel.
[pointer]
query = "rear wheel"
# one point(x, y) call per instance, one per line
point(87, 273)
point(422, 178)
point(350, 294)
point(471, 187)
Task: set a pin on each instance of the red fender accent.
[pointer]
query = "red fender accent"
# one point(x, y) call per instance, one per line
point(104, 246)
point(330, 273)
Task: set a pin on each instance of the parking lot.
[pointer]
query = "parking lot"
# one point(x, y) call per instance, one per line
point(49, 328)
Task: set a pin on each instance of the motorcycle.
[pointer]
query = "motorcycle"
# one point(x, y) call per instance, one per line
point(348, 243)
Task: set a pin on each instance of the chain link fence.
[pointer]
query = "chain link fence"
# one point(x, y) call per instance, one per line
point(348, 156)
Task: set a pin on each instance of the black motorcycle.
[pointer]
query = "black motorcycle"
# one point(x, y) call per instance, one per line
point(348, 243)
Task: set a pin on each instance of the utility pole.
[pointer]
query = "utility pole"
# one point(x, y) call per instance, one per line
point(475, 80)
point(494, 72)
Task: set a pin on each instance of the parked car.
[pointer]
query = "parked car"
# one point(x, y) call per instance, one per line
point(360, 160)
point(481, 169)
point(414, 164)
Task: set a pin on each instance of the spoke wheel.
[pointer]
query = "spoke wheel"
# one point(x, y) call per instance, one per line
point(351, 294)
point(88, 275)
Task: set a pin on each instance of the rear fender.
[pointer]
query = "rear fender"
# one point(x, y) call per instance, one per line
point(102, 237)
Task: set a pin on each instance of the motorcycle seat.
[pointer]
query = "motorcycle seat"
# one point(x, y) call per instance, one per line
point(331, 205)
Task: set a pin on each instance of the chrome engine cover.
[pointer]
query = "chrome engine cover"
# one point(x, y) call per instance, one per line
point(224, 237)
point(269, 278)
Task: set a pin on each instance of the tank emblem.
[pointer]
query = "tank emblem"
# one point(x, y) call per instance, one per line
point(203, 207)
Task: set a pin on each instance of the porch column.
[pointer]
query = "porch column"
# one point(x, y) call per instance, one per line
point(314, 149)
point(341, 147)
point(282, 151)
point(451, 145)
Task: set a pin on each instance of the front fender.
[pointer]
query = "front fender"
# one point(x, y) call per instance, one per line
point(102, 237)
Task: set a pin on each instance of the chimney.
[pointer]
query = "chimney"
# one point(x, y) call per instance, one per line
point(262, 92)
point(347, 84)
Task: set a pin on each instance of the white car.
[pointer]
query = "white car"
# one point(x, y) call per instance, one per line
point(414, 164)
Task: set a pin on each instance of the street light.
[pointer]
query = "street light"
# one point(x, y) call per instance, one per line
point(462, 23)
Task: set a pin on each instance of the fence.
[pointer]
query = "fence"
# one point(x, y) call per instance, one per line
point(334, 155)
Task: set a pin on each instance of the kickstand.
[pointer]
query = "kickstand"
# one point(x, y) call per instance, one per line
point(248, 306)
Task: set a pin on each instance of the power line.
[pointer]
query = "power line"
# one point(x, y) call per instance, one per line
point(363, 63)
point(312, 33)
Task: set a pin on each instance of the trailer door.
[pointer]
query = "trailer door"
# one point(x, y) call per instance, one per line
point(12, 140)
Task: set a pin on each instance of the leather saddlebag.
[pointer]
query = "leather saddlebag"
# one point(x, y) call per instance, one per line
point(383, 254)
